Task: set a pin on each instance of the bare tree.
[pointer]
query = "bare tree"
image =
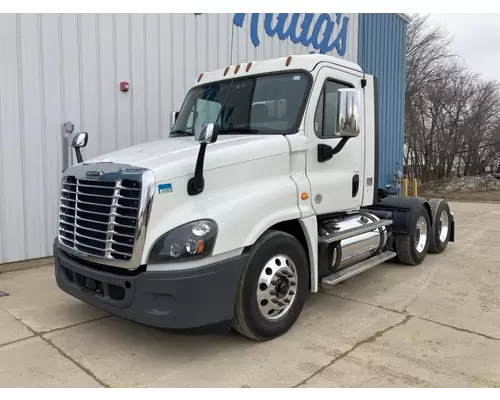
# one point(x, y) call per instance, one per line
point(452, 117)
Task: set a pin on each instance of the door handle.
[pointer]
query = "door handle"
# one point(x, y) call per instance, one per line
point(355, 185)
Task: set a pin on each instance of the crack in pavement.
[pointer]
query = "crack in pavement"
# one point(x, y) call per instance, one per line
point(420, 288)
point(77, 324)
point(362, 302)
point(369, 339)
point(456, 328)
point(59, 350)
point(415, 316)
point(17, 341)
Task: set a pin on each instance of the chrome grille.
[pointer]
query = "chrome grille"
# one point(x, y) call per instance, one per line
point(100, 218)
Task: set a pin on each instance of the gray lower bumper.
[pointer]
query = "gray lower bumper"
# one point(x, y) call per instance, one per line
point(174, 299)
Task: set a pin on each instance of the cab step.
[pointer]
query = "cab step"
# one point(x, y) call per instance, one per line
point(357, 268)
point(348, 233)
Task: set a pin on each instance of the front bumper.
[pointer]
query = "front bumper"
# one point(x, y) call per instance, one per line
point(171, 299)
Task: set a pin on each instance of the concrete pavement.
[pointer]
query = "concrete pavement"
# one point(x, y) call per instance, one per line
point(434, 325)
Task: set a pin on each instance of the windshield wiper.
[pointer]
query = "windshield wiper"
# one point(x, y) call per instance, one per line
point(180, 132)
point(240, 130)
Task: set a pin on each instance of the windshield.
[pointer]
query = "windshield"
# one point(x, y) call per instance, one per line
point(268, 104)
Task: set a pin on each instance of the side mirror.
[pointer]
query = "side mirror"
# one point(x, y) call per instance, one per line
point(173, 118)
point(207, 134)
point(78, 141)
point(349, 111)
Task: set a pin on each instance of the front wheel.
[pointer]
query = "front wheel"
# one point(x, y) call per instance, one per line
point(273, 287)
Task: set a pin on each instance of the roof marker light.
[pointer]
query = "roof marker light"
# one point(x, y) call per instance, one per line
point(288, 60)
point(249, 65)
point(226, 71)
point(200, 76)
point(237, 69)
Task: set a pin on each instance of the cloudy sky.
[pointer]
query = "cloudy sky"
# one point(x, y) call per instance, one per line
point(476, 38)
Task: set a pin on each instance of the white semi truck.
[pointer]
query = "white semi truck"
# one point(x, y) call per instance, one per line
point(265, 190)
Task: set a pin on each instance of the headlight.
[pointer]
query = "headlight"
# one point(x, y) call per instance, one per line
point(188, 242)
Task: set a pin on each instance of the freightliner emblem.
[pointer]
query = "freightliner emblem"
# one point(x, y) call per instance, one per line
point(94, 174)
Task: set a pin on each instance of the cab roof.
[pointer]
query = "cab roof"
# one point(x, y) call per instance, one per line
point(305, 62)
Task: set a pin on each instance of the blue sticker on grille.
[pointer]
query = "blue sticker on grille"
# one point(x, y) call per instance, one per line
point(165, 188)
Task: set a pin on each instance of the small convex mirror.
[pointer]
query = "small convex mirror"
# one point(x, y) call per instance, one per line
point(349, 109)
point(79, 139)
point(207, 134)
point(173, 118)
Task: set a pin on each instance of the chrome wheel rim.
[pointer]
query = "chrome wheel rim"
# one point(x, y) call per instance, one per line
point(277, 287)
point(444, 226)
point(421, 234)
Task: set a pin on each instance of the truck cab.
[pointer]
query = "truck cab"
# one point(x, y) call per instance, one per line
point(265, 189)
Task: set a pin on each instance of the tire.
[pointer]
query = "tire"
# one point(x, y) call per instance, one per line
point(270, 257)
point(441, 228)
point(408, 251)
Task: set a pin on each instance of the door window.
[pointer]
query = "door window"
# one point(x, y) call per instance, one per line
point(325, 119)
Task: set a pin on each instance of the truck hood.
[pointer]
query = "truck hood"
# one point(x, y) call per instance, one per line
point(176, 157)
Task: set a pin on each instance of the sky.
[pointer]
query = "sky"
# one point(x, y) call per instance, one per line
point(476, 38)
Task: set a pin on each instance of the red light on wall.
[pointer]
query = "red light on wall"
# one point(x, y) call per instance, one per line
point(124, 86)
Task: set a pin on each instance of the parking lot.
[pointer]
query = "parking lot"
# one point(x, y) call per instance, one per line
point(434, 325)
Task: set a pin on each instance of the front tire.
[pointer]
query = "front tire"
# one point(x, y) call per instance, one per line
point(411, 249)
point(273, 287)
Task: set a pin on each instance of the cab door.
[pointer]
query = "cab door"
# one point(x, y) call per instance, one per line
point(336, 182)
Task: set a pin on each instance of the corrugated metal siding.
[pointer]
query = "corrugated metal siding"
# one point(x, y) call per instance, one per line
point(55, 68)
point(381, 52)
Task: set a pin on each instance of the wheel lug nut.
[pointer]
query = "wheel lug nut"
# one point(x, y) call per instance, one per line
point(292, 283)
point(281, 304)
point(274, 282)
point(291, 292)
point(275, 301)
point(286, 301)
point(272, 292)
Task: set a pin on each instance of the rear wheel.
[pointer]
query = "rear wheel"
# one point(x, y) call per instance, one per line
point(411, 249)
point(441, 224)
point(273, 287)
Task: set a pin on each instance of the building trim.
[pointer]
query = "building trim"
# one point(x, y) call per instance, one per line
point(404, 17)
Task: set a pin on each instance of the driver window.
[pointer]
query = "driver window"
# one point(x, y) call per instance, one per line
point(325, 119)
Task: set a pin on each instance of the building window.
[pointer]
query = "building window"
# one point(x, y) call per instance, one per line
point(325, 119)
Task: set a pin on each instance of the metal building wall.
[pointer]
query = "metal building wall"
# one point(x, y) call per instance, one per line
point(381, 52)
point(60, 67)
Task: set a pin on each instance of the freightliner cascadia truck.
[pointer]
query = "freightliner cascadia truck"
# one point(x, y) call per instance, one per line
point(265, 190)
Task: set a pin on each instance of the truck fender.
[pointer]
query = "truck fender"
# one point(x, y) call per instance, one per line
point(306, 231)
point(401, 208)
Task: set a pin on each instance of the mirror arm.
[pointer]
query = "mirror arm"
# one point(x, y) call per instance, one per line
point(79, 157)
point(326, 152)
point(197, 183)
point(340, 145)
